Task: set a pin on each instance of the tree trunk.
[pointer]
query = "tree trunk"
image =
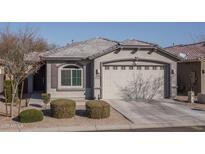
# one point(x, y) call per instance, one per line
point(19, 108)
point(6, 102)
point(13, 99)
point(11, 107)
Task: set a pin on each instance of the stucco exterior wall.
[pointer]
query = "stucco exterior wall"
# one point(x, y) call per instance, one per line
point(203, 77)
point(76, 93)
point(141, 54)
point(30, 83)
point(92, 71)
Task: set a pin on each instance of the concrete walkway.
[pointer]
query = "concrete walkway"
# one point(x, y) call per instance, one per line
point(35, 99)
point(164, 113)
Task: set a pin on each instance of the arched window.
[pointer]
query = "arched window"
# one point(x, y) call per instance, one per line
point(70, 76)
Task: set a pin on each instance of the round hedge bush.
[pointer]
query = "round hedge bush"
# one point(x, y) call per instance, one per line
point(62, 108)
point(97, 109)
point(30, 115)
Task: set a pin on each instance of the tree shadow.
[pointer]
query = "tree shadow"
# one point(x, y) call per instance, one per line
point(46, 112)
point(16, 119)
point(2, 100)
point(36, 105)
point(81, 113)
point(3, 114)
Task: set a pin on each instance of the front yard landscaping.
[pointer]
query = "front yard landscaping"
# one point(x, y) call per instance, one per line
point(63, 108)
point(30, 115)
point(80, 120)
point(97, 109)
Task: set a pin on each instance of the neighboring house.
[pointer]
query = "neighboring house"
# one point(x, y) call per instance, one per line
point(99, 67)
point(191, 69)
point(1, 79)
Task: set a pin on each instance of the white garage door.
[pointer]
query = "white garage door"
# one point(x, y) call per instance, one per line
point(118, 80)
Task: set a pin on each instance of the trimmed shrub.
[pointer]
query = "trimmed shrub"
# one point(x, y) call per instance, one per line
point(46, 97)
point(8, 90)
point(30, 115)
point(63, 108)
point(97, 109)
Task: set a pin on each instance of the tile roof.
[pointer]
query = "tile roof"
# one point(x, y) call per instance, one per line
point(82, 49)
point(136, 42)
point(195, 51)
point(91, 48)
point(33, 56)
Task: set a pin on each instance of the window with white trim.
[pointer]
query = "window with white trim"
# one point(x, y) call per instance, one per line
point(154, 67)
point(71, 76)
point(114, 67)
point(139, 67)
point(131, 67)
point(106, 67)
point(122, 67)
point(146, 67)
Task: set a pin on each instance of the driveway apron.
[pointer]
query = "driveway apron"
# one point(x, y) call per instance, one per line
point(159, 113)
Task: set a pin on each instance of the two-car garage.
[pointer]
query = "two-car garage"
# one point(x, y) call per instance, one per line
point(118, 76)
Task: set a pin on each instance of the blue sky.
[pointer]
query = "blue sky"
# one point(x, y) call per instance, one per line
point(164, 34)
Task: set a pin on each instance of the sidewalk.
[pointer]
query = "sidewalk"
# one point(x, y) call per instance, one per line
point(127, 127)
point(193, 106)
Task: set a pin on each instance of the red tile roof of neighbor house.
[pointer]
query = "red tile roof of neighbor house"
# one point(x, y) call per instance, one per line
point(188, 52)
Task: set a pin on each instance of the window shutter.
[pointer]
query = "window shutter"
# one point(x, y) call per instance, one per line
point(54, 76)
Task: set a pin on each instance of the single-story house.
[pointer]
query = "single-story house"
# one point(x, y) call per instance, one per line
point(100, 67)
point(191, 69)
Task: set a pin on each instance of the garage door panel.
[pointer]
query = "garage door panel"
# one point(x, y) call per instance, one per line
point(115, 81)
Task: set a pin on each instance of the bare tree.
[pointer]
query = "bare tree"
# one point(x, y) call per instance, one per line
point(141, 89)
point(15, 49)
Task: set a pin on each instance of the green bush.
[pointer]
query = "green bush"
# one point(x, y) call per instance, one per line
point(63, 108)
point(97, 109)
point(8, 90)
point(46, 97)
point(30, 115)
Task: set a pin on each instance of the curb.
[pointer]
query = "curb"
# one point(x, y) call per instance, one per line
point(74, 128)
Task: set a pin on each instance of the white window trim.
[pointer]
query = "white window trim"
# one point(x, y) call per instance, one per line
point(59, 77)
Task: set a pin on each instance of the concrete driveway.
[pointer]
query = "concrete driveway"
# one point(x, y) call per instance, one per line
point(164, 113)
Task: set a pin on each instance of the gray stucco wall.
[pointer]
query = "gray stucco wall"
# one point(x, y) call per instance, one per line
point(203, 77)
point(30, 83)
point(92, 73)
point(52, 71)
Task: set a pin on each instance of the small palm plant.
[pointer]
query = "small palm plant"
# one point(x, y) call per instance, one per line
point(46, 98)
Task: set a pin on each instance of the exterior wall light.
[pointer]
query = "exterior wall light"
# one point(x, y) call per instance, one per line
point(97, 71)
point(203, 71)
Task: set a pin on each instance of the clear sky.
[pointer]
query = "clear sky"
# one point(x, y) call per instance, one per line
point(164, 34)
